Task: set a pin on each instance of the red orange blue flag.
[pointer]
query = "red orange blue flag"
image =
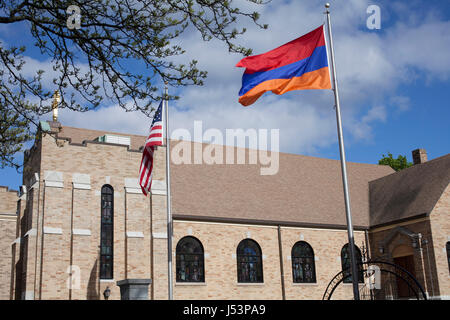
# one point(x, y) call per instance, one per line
point(297, 65)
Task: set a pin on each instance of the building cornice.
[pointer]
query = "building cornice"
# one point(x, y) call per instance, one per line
point(400, 222)
point(182, 217)
point(85, 143)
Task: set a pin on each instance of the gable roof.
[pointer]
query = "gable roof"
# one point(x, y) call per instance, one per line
point(306, 191)
point(410, 192)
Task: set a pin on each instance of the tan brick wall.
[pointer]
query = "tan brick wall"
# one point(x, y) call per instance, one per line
point(85, 247)
point(220, 241)
point(8, 221)
point(30, 220)
point(440, 228)
point(138, 242)
point(7, 236)
point(62, 207)
point(16, 272)
point(327, 245)
point(24, 252)
point(423, 258)
point(8, 200)
point(56, 246)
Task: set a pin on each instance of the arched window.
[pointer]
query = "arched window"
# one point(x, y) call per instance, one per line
point(447, 246)
point(107, 232)
point(190, 260)
point(249, 261)
point(346, 264)
point(303, 268)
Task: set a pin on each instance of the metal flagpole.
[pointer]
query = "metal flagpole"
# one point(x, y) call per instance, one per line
point(351, 239)
point(169, 213)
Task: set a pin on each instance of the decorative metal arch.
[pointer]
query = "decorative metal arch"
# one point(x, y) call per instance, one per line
point(386, 267)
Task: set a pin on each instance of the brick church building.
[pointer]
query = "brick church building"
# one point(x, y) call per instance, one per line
point(236, 234)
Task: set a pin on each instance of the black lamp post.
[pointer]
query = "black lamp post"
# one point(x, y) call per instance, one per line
point(107, 293)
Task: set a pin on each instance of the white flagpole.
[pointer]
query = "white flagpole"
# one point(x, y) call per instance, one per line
point(351, 240)
point(169, 213)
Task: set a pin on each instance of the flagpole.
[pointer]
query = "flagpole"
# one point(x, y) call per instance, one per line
point(169, 213)
point(351, 240)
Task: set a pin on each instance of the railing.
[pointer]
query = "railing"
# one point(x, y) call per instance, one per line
point(388, 280)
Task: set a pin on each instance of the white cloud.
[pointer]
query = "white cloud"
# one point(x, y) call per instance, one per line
point(400, 102)
point(377, 113)
point(361, 129)
point(113, 118)
point(422, 47)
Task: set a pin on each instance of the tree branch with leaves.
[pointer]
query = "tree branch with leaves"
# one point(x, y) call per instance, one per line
point(122, 51)
point(397, 164)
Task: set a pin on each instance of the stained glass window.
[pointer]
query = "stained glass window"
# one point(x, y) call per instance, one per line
point(190, 260)
point(346, 264)
point(303, 266)
point(107, 232)
point(249, 261)
point(448, 254)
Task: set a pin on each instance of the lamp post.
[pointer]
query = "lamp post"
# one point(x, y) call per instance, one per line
point(107, 293)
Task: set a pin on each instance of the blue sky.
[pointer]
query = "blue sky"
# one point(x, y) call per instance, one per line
point(394, 83)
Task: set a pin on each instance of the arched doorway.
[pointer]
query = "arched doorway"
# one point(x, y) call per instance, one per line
point(403, 255)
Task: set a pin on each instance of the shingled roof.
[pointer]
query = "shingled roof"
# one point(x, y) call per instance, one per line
point(306, 190)
point(410, 192)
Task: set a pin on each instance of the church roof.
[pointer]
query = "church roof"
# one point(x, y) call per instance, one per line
point(410, 192)
point(305, 191)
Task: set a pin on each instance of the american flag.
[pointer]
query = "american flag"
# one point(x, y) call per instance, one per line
point(155, 138)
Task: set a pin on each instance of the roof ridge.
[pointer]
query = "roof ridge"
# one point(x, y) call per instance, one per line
point(105, 131)
point(438, 158)
point(414, 167)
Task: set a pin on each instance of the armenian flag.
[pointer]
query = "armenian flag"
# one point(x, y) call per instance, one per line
point(297, 65)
